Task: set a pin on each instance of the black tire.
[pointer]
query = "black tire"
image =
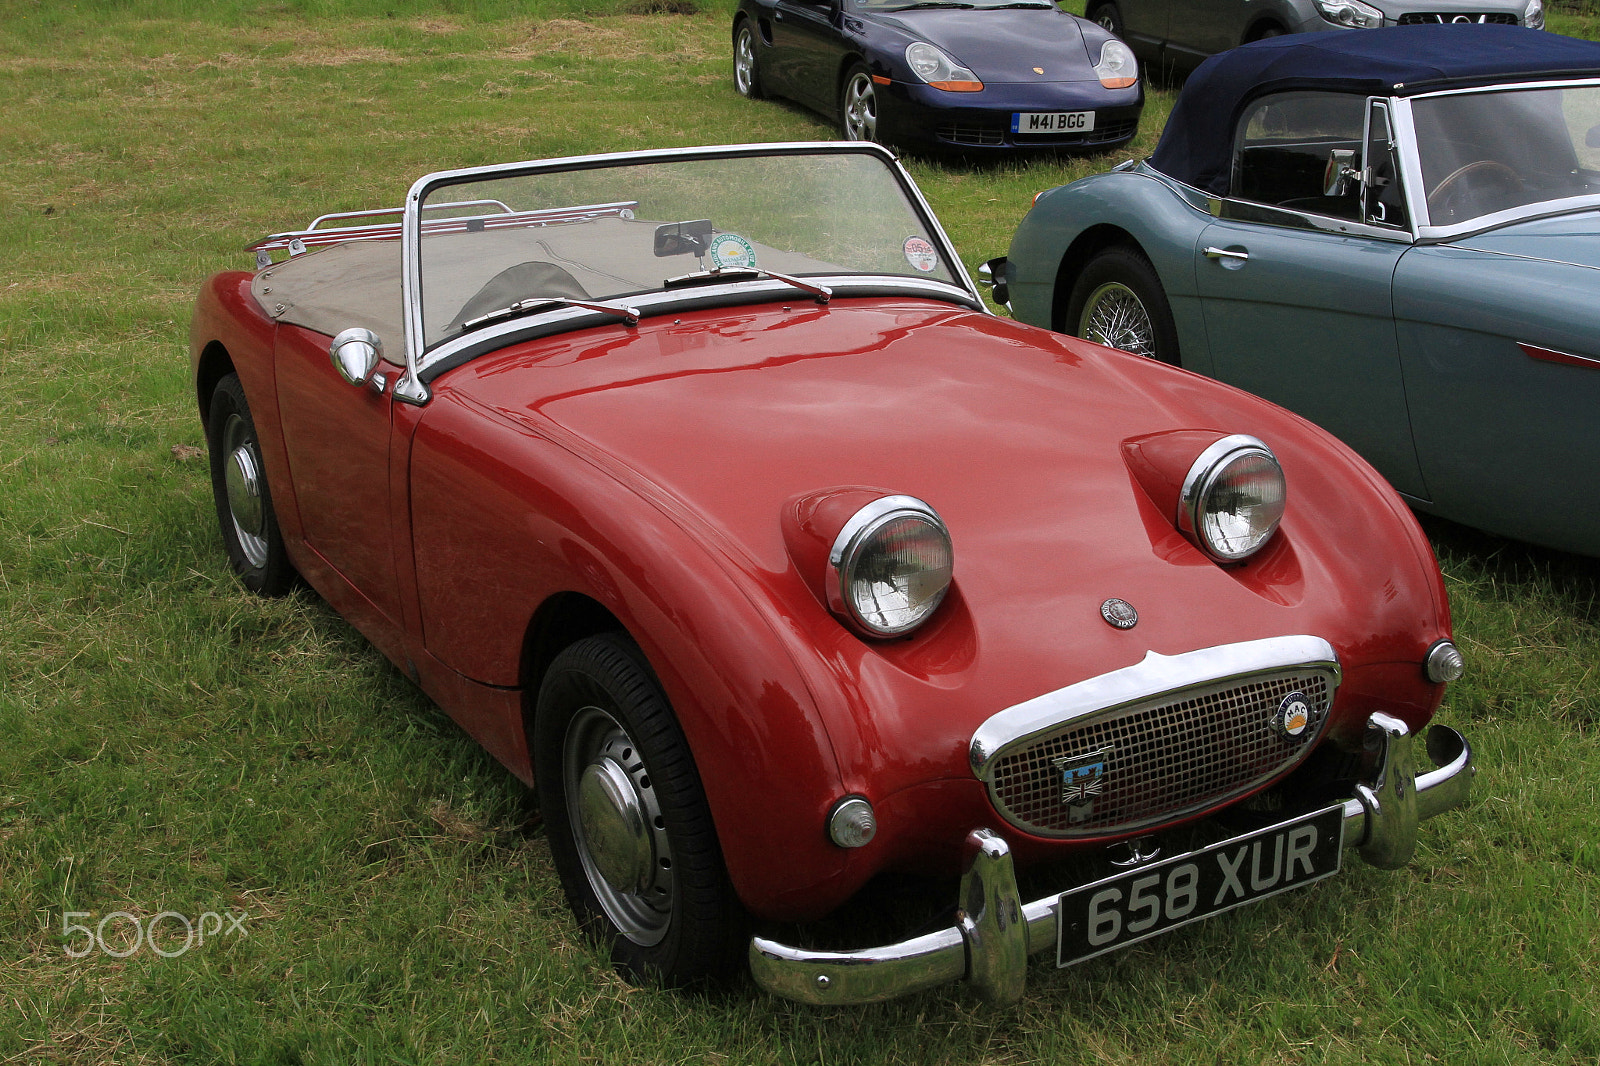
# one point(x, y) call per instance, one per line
point(746, 72)
point(627, 819)
point(244, 502)
point(1118, 301)
point(1108, 16)
point(858, 106)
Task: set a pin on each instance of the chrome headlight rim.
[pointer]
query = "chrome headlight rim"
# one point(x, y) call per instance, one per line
point(1204, 474)
point(855, 537)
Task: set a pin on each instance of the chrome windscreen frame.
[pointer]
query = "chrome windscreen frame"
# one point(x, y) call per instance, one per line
point(1411, 166)
point(412, 386)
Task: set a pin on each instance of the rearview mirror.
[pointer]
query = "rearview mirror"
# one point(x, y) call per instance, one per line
point(683, 238)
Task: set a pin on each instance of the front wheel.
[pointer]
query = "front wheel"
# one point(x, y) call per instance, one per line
point(249, 524)
point(746, 76)
point(1118, 301)
point(627, 818)
point(1107, 16)
point(858, 106)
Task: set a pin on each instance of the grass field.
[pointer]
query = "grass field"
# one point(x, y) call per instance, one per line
point(178, 758)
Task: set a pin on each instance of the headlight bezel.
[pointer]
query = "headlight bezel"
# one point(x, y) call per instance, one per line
point(1116, 57)
point(860, 535)
point(1206, 474)
point(933, 66)
point(1350, 14)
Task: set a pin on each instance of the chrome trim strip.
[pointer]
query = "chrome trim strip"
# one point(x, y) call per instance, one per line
point(1551, 355)
point(1155, 675)
point(1381, 820)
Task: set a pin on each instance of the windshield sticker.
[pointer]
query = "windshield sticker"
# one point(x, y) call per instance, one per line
point(920, 254)
point(731, 250)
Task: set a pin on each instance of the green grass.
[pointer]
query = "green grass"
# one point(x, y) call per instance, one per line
point(172, 744)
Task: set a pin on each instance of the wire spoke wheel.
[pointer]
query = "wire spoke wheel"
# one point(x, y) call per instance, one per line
point(1115, 317)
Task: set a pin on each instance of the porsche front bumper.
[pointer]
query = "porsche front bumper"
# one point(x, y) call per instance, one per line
point(995, 932)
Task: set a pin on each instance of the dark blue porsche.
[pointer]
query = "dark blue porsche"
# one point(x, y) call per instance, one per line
point(970, 76)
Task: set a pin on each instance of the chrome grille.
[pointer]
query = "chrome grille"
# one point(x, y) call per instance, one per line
point(1426, 18)
point(1162, 757)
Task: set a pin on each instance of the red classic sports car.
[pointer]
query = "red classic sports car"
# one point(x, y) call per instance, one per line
point(702, 490)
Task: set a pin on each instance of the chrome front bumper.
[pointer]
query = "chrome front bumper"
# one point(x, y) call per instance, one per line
point(995, 931)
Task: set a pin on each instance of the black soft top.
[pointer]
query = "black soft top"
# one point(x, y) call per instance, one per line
point(1197, 145)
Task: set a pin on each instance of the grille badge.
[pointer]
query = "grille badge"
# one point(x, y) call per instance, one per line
point(1083, 779)
point(1293, 716)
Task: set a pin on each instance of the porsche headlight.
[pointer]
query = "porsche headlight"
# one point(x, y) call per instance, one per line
point(1233, 498)
point(939, 70)
point(1351, 13)
point(1117, 68)
point(889, 566)
point(1533, 15)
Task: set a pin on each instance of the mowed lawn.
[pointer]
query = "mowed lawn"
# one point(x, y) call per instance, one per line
point(231, 832)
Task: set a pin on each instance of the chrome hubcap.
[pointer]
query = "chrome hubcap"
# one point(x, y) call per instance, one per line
point(617, 823)
point(1113, 316)
point(242, 477)
point(860, 109)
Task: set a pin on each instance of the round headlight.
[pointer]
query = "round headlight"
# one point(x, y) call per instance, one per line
point(890, 566)
point(1233, 498)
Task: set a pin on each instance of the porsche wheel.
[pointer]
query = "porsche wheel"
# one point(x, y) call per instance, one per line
point(858, 106)
point(627, 818)
point(244, 503)
point(746, 77)
point(1118, 301)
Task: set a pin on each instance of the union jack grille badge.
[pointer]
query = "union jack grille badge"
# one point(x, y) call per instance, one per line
point(1083, 777)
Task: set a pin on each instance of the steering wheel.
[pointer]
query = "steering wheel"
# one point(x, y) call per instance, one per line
point(1444, 192)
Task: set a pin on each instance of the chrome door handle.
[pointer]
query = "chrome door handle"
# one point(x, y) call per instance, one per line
point(1223, 253)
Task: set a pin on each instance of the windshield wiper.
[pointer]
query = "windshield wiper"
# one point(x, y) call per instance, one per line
point(710, 277)
point(629, 315)
point(932, 3)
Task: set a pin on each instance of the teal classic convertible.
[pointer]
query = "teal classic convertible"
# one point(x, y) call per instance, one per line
point(1395, 233)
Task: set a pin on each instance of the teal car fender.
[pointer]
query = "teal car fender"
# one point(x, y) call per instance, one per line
point(1131, 205)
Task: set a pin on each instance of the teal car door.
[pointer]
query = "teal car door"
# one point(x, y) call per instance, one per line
point(1295, 279)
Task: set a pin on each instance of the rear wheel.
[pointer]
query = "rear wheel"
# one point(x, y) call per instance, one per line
point(627, 818)
point(239, 487)
point(1118, 301)
point(746, 77)
point(858, 107)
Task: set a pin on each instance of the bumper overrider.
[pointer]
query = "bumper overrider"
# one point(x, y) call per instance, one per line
point(995, 931)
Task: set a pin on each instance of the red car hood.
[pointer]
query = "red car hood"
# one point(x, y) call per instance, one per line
point(1016, 437)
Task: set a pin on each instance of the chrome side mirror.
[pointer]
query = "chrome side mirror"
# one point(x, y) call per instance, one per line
point(1339, 171)
point(355, 353)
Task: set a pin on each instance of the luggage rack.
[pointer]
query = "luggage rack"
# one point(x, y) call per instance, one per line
point(483, 215)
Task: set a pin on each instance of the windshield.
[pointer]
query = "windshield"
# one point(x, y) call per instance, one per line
point(610, 232)
point(1484, 152)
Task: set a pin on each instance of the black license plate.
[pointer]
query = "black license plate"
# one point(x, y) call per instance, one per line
point(1158, 897)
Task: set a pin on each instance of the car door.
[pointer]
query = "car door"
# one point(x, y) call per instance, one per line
point(337, 436)
point(1295, 284)
point(806, 48)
